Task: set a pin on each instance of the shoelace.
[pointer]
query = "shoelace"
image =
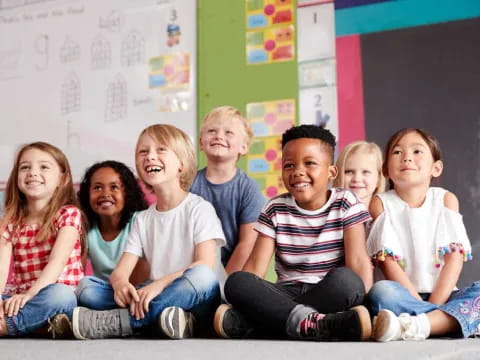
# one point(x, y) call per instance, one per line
point(410, 328)
point(310, 325)
point(105, 322)
point(52, 328)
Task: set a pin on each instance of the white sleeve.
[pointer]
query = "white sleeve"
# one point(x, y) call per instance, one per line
point(452, 235)
point(206, 226)
point(134, 243)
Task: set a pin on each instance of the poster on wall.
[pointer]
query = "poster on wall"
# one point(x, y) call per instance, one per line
point(317, 76)
point(269, 121)
point(85, 75)
point(270, 34)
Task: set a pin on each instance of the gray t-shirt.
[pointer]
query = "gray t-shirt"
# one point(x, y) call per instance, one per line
point(238, 201)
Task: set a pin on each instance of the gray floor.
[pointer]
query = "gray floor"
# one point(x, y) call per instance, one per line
point(203, 349)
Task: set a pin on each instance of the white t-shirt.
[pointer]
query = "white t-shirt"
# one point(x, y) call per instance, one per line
point(167, 239)
point(418, 237)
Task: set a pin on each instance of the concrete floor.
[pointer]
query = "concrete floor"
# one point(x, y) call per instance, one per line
point(212, 349)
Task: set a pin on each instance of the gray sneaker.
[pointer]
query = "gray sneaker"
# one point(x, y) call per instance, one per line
point(60, 327)
point(177, 323)
point(92, 324)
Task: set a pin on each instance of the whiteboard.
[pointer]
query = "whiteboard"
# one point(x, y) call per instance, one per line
point(78, 74)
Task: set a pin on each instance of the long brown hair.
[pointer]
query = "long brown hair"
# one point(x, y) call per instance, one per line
point(16, 203)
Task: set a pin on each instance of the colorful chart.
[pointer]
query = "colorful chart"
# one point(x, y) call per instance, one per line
point(263, 13)
point(271, 184)
point(170, 71)
point(272, 117)
point(271, 45)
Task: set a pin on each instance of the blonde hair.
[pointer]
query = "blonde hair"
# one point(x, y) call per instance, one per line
point(16, 202)
point(179, 142)
point(357, 148)
point(229, 112)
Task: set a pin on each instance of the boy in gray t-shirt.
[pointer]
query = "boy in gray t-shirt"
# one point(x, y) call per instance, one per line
point(225, 136)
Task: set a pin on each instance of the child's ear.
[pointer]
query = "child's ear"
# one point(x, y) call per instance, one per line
point(332, 172)
point(244, 148)
point(437, 168)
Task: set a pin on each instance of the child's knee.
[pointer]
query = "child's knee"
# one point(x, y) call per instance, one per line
point(201, 277)
point(62, 297)
point(237, 283)
point(381, 293)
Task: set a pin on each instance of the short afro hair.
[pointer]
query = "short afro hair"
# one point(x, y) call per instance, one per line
point(310, 132)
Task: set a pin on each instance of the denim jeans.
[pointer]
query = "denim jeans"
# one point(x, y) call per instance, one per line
point(463, 305)
point(197, 291)
point(275, 309)
point(53, 299)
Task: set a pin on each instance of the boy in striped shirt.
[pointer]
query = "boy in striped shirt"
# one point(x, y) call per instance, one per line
point(318, 237)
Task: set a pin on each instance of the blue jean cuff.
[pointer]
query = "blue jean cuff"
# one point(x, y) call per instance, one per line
point(11, 327)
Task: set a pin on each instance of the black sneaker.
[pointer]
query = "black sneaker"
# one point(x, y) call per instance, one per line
point(231, 324)
point(350, 325)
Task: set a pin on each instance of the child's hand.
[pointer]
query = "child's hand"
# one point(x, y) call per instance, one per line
point(13, 304)
point(124, 293)
point(146, 294)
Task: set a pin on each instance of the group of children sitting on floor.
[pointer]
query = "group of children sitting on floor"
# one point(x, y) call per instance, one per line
point(161, 270)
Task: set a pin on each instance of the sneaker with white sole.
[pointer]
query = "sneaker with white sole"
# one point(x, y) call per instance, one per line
point(389, 327)
point(93, 324)
point(177, 323)
point(60, 327)
point(230, 323)
point(350, 325)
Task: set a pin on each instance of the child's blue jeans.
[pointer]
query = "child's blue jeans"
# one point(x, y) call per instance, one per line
point(197, 290)
point(463, 305)
point(53, 299)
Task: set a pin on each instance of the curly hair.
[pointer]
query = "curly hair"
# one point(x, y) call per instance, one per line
point(311, 132)
point(134, 196)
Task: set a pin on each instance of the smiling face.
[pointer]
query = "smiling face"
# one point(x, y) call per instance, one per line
point(223, 139)
point(157, 165)
point(106, 193)
point(361, 175)
point(306, 171)
point(411, 163)
point(38, 175)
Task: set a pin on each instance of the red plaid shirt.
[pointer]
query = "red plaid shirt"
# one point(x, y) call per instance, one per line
point(30, 255)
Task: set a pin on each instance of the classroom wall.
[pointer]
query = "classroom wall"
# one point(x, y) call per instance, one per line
point(224, 78)
point(417, 67)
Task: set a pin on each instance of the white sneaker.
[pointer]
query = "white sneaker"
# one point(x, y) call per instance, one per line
point(477, 332)
point(389, 327)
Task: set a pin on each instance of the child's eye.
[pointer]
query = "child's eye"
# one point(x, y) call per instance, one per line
point(162, 149)
point(97, 188)
point(396, 152)
point(115, 187)
point(44, 167)
point(287, 166)
point(366, 172)
point(24, 167)
point(229, 132)
point(310, 163)
point(142, 152)
point(417, 151)
point(211, 131)
point(348, 172)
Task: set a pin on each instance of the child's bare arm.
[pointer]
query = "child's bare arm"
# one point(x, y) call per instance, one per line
point(448, 278)
point(356, 257)
point(376, 207)
point(205, 253)
point(246, 241)
point(5, 258)
point(392, 271)
point(124, 291)
point(450, 272)
point(61, 250)
point(261, 255)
